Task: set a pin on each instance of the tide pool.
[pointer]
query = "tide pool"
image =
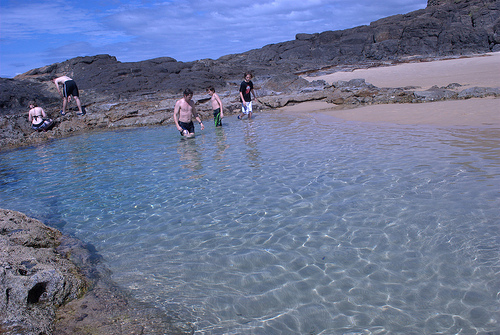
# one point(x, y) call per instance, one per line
point(283, 224)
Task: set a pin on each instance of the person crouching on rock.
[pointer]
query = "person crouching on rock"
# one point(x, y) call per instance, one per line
point(69, 90)
point(38, 118)
point(184, 111)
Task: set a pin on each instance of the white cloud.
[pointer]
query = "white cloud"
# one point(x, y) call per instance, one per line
point(183, 29)
point(44, 18)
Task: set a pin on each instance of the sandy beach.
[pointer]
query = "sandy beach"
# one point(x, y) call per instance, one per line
point(481, 71)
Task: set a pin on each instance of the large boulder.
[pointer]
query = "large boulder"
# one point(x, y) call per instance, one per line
point(16, 94)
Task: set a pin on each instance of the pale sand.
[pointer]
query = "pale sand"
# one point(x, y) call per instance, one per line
point(482, 71)
point(471, 71)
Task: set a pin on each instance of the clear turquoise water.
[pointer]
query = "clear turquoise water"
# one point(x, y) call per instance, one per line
point(283, 224)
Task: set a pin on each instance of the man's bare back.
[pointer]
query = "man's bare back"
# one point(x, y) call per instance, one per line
point(61, 80)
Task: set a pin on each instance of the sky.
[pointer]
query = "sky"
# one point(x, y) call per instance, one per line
point(35, 33)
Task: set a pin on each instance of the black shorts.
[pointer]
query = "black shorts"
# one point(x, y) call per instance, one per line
point(46, 124)
point(36, 126)
point(187, 126)
point(70, 88)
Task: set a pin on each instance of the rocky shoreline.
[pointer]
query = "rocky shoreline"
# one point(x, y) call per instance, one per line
point(150, 111)
point(118, 94)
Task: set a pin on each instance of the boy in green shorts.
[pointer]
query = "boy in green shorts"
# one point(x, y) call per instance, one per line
point(216, 106)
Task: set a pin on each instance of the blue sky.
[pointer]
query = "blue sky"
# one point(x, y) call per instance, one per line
point(38, 33)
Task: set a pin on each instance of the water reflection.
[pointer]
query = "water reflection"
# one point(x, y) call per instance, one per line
point(190, 155)
point(43, 158)
point(80, 155)
point(8, 175)
point(251, 141)
point(221, 145)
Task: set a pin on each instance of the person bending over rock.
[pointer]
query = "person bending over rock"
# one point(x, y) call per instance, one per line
point(69, 89)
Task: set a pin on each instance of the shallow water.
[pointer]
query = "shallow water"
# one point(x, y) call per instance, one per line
point(283, 224)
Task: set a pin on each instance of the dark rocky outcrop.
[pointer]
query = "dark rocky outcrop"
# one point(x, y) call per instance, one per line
point(442, 29)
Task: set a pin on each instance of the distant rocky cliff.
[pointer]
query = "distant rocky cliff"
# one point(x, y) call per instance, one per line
point(120, 94)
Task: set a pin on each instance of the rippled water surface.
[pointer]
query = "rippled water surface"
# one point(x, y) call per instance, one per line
point(283, 224)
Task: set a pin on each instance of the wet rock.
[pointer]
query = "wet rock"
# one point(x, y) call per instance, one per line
point(286, 83)
point(358, 92)
point(353, 84)
point(339, 97)
point(290, 99)
point(452, 86)
point(434, 94)
point(479, 92)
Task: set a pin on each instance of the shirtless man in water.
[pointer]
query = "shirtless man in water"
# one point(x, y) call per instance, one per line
point(184, 111)
point(69, 89)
